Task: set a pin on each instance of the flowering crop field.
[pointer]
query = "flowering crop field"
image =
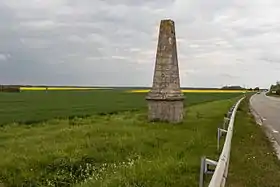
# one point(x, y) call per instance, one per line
point(102, 138)
point(127, 90)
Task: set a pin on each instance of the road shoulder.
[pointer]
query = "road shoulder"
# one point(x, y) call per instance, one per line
point(253, 161)
point(266, 128)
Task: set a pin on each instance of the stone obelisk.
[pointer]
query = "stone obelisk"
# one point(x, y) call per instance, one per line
point(165, 100)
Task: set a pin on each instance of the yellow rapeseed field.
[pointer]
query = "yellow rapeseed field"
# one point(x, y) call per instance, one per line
point(129, 91)
point(32, 88)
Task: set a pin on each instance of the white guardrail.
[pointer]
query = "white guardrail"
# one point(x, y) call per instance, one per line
point(221, 167)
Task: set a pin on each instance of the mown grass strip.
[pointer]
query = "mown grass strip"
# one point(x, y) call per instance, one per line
point(110, 151)
point(253, 161)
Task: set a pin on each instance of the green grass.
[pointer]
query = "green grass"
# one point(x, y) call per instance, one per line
point(36, 106)
point(253, 161)
point(109, 150)
point(272, 94)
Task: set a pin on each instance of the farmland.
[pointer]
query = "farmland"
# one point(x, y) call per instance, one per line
point(102, 138)
point(35, 106)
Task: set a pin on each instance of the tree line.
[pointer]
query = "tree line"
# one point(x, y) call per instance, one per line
point(239, 88)
point(275, 88)
point(9, 88)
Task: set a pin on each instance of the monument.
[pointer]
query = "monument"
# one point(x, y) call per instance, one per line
point(165, 100)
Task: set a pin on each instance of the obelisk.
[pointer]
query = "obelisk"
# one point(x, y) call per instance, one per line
point(165, 100)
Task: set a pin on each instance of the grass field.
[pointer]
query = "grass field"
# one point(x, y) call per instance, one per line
point(193, 91)
point(253, 161)
point(120, 149)
point(60, 88)
point(35, 106)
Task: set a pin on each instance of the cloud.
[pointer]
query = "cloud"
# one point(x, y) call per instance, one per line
point(111, 42)
point(38, 25)
point(3, 57)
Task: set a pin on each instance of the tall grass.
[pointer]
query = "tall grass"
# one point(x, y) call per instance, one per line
point(253, 162)
point(111, 150)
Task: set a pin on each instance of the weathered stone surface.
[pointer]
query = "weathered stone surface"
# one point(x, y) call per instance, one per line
point(165, 100)
point(166, 110)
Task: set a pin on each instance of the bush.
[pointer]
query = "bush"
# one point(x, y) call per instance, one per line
point(9, 89)
point(257, 89)
point(278, 91)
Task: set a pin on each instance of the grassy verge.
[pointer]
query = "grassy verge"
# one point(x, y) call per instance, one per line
point(253, 161)
point(35, 106)
point(111, 150)
point(272, 94)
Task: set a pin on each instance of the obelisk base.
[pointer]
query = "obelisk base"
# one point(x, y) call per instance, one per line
point(166, 110)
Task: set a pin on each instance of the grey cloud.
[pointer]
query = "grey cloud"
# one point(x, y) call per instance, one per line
point(114, 42)
point(3, 57)
point(271, 59)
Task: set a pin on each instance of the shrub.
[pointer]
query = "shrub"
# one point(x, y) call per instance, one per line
point(9, 89)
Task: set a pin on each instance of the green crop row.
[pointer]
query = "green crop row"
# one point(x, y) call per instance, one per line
point(36, 106)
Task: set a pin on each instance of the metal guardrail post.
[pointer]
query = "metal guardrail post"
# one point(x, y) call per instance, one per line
point(226, 120)
point(221, 167)
point(219, 134)
point(204, 169)
point(221, 171)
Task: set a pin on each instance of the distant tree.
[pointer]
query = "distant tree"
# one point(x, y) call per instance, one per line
point(232, 88)
point(275, 88)
point(257, 89)
point(10, 88)
point(250, 89)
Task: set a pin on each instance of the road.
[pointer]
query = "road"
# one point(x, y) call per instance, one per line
point(268, 109)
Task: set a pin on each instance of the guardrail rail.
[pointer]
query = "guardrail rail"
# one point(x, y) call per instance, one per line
point(220, 170)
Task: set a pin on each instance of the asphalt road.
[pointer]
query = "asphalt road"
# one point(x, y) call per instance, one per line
point(268, 109)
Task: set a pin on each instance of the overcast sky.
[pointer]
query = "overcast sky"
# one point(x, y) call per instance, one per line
point(113, 42)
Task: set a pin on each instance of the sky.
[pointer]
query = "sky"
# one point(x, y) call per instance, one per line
point(113, 42)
